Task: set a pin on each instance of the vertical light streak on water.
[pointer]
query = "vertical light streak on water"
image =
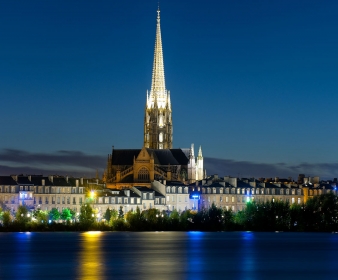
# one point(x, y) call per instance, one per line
point(195, 255)
point(22, 268)
point(91, 263)
point(248, 254)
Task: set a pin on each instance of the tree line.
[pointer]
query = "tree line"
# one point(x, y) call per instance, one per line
point(319, 213)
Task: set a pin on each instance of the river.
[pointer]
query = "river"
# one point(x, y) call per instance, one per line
point(168, 255)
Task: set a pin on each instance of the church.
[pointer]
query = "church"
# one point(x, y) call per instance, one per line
point(157, 160)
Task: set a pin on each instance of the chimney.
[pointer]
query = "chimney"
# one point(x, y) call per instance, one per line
point(30, 177)
point(77, 182)
point(67, 178)
point(43, 182)
point(81, 181)
point(51, 178)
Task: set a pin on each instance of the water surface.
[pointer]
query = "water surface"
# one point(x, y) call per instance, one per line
point(168, 255)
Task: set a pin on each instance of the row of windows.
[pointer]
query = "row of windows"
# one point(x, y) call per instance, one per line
point(42, 200)
point(119, 200)
point(179, 198)
point(57, 200)
point(179, 190)
point(255, 191)
point(41, 189)
point(245, 199)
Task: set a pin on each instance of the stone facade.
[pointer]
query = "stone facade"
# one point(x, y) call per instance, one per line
point(42, 192)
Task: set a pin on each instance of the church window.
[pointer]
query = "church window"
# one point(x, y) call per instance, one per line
point(143, 174)
point(161, 121)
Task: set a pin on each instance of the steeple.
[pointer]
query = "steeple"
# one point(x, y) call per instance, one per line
point(158, 82)
point(158, 119)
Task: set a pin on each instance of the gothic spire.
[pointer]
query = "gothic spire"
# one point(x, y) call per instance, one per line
point(158, 82)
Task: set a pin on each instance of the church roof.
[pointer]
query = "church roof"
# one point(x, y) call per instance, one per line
point(161, 156)
point(124, 156)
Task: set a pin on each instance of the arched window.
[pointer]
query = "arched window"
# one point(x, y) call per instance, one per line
point(209, 190)
point(173, 189)
point(233, 190)
point(180, 190)
point(227, 190)
point(257, 191)
point(221, 190)
point(143, 174)
point(168, 189)
point(213, 190)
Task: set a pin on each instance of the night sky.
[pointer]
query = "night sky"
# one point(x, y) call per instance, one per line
point(254, 82)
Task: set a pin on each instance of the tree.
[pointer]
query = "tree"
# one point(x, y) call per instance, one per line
point(66, 214)
point(22, 215)
point(121, 214)
point(6, 219)
point(41, 216)
point(107, 215)
point(87, 215)
point(54, 214)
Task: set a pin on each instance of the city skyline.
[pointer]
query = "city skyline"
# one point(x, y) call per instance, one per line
point(252, 82)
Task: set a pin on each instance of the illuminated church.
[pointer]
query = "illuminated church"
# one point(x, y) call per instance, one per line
point(157, 160)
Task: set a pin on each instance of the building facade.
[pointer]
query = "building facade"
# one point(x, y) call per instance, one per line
point(39, 192)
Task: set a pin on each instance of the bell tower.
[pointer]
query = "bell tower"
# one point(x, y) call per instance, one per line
point(158, 128)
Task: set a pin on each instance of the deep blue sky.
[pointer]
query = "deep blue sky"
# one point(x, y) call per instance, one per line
point(253, 82)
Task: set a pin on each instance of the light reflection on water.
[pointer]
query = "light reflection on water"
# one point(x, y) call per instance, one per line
point(168, 255)
point(247, 254)
point(91, 263)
